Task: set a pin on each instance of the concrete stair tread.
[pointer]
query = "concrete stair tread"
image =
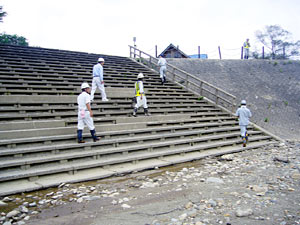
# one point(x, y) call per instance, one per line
point(110, 112)
point(24, 185)
point(143, 138)
point(99, 107)
point(163, 126)
point(31, 172)
point(94, 152)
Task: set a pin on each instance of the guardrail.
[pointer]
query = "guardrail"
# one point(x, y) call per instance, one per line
point(187, 81)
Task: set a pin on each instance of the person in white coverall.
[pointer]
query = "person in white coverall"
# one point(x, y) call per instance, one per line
point(98, 80)
point(85, 113)
point(244, 114)
point(141, 99)
point(163, 67)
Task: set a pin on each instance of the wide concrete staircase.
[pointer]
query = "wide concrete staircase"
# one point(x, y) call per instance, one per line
point(38, 118)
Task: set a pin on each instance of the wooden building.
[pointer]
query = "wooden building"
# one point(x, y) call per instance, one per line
point(173, 52)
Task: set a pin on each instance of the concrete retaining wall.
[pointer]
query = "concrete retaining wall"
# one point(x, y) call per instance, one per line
point(271, 88)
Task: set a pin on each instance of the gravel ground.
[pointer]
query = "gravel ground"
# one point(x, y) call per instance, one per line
point(260, 186)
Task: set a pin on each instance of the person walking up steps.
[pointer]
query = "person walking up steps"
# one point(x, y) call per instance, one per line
point(163, 67)
point(85, 113)
point(141, 99)
point(98, 80)
point(244, 114)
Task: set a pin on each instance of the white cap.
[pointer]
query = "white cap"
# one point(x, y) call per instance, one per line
point(141, 75)
point(84, 86)
point(243, 102)
point(100, 60)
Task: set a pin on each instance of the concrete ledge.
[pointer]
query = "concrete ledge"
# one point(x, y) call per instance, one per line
point(23, 185)
point(31, 125)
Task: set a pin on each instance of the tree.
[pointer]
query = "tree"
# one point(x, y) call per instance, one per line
point(13, 40)
point(2, 14)
point(278, 41)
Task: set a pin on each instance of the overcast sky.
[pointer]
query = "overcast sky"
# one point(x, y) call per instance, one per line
point(108, 26)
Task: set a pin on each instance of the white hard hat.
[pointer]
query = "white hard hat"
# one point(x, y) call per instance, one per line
point(243, 102)
point(84, 86)
point(100, 60)
point(141, 75)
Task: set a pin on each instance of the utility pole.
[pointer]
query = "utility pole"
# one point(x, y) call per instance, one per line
point(134, 45)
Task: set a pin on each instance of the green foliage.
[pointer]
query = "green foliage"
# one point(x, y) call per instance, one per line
point(13, 40)
point(200, 98)
point(286, 103)
point(278, 41)
point(275, 63)
point(280, 71)
point(266, 120)
point(269, 106)
point(2, 14)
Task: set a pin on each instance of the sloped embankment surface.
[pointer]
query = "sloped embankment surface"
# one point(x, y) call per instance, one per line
point(271, 88)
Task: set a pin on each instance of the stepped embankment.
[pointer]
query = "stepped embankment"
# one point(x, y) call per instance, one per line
point(271, 88)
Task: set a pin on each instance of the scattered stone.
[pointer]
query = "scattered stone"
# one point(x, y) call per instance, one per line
point(32, 204)
point(261, 189)
point(7, 199)
point(12, 213)
point(61, 185)
point(183, 216)
point(214, 180)
point(7, 223)
point(243, 212)
point(228, 157)
point(212, 203)
point(2, 204)
point(79, 200)
point(189, 205)
point(281, 159)
point(296, 176)
point(125, 206)
point(23, 209)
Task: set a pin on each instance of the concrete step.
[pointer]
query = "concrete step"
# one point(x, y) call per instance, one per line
point(47, 181)
point(98, 160)
point(117, 139)
point(38, 118)
point(103, 124)
point(158, 124)
point(109, 113)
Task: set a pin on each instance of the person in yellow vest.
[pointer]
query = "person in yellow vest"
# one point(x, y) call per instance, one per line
point(141, 99)
point(246, 48)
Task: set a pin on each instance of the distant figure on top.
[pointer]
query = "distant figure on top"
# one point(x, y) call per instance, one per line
point(244, 114)
point(163, 67)
point(98, 80)
point(246, 48)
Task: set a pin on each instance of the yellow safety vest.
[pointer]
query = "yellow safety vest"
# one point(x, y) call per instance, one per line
point(137, 89)
point(246, 44)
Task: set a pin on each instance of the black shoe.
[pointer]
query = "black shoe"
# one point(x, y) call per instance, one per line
point(96, 139)
point(81, 141)
point(244, 142)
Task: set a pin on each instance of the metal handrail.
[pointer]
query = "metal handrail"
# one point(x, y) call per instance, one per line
point(187, 80)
